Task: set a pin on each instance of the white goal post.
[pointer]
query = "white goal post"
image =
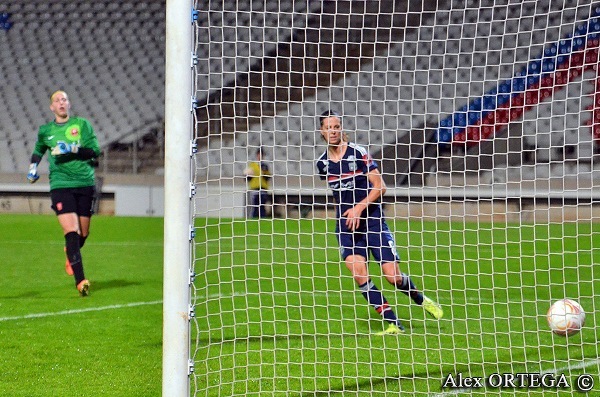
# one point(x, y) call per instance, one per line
point(483, 118)
point(178, 189)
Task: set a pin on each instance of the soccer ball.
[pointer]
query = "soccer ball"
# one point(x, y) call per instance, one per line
point(565, 317)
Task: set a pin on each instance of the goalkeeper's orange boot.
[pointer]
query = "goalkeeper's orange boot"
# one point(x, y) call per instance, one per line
point(84, 288)
point(68, 268)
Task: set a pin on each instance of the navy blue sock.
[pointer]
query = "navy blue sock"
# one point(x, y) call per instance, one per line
point(408, 288)
point(378, 301)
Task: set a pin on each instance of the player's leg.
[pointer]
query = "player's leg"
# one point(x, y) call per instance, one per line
point(65, 203)
point(262, 204)
point(357, 264)
point(383, 248)
point(255, 203)
point(70, 225)
point(354, 253)
point(403, 282)
point(84, 198)
point(84, 229)
point(68, 268)
point(65, 207)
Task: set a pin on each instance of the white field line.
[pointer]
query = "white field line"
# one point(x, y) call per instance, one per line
point(77, 311)
point(582, 365)
point(126, 305)
point(134, 304)
point(198, 297)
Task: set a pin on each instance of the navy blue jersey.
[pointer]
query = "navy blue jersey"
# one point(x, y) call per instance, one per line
point(347, 178)
point(350, 184)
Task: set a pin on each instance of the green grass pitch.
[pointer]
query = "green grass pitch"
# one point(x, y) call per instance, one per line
point(55, 343)
point(279, 315)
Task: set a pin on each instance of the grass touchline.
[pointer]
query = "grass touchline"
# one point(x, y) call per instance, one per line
point(78, 311)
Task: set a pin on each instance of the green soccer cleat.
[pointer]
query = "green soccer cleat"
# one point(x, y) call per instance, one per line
point(392, 329)
point(432, 308)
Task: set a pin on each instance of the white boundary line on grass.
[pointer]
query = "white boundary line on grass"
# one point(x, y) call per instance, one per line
point(454, 392)
point(208, 296)
point(77, 311)
point(581, 365)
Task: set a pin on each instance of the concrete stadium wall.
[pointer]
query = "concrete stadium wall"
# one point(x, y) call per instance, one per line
point(122, 195)
point(143, 195)
point(498, 203)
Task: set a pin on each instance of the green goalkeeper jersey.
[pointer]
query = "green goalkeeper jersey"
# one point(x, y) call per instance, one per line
point(68, 170)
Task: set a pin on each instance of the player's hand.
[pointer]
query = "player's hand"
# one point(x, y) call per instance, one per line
point(64, 148)
point(32, 175)
point(352, 216)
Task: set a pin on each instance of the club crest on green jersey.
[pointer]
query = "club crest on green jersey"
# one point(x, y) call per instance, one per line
point(73, 133)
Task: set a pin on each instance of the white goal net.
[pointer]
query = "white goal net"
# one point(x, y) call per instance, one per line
point(483, 118)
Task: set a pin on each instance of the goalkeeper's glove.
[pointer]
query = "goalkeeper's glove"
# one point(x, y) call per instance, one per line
point(32, 175)
point(64, 148)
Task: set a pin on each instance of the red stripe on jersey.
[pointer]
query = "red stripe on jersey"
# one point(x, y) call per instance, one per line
point(344, 176)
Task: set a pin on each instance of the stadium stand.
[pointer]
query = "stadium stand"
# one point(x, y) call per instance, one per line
point(436, 59)
point(401, 92)
point(109, 56)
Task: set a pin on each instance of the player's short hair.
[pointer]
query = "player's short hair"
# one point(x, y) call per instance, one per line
point(328, 113)
point(56, 93)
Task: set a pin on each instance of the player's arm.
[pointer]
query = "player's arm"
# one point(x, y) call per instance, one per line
point(32, 174)
point(90, 148)
point(87, 149)
point(36, 157)
point(321, 169)
point(378, 189)
point(251, 171)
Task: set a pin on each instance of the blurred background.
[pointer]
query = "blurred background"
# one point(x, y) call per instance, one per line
point(442, 93)
point(109, 57)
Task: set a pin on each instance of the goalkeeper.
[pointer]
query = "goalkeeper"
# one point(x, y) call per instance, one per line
point(361, 228)
point(73, 147)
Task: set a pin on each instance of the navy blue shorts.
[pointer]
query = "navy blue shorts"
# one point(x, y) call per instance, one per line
point(372, 236)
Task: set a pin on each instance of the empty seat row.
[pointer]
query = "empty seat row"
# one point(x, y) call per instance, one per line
point(110, 60)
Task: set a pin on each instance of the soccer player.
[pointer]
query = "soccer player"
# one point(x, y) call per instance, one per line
point(361, 228)
point(258, 176)
point(73, 147)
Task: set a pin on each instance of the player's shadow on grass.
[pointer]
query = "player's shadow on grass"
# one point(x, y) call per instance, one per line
point(117, 283)
point(31, 294)
point(367, 385)
point(251, 338)
point(362, 330)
